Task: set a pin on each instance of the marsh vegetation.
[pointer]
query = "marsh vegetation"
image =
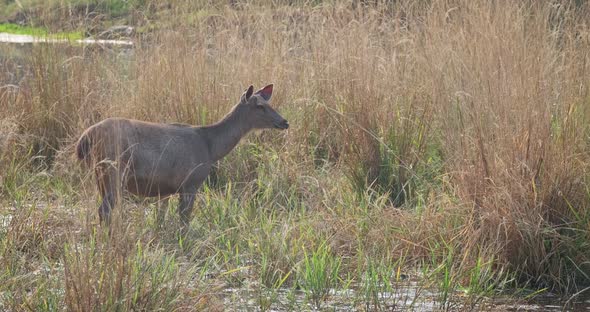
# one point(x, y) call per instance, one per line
point(437, 158)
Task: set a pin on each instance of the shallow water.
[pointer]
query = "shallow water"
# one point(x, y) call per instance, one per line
point(15, 38)
point(406, 296)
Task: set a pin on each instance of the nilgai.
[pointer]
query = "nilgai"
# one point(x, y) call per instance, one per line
point(153, 159)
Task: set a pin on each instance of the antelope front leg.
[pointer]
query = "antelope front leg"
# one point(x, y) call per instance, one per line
point(187, 196)
point(185, 206)
point(162, 208)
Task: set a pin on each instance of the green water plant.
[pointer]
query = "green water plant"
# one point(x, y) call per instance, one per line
point(319, 274)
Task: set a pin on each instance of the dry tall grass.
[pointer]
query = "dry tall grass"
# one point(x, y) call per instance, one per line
point(467, 121)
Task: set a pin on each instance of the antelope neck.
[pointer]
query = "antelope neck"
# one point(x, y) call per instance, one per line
point(224, 135)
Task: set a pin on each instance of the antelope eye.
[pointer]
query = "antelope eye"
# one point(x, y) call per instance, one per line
point(260, 107)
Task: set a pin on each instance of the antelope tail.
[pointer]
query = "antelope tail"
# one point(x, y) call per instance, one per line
point(83, 147)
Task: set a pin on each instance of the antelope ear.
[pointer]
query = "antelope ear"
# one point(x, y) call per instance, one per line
point(248, 93)
point(265, 92)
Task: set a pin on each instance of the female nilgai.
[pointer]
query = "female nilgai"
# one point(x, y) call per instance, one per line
point(151, 159)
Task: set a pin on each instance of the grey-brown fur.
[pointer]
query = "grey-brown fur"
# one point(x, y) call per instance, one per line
point(152, 159)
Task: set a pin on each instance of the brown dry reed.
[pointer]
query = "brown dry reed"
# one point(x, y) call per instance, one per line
point(470, 117)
